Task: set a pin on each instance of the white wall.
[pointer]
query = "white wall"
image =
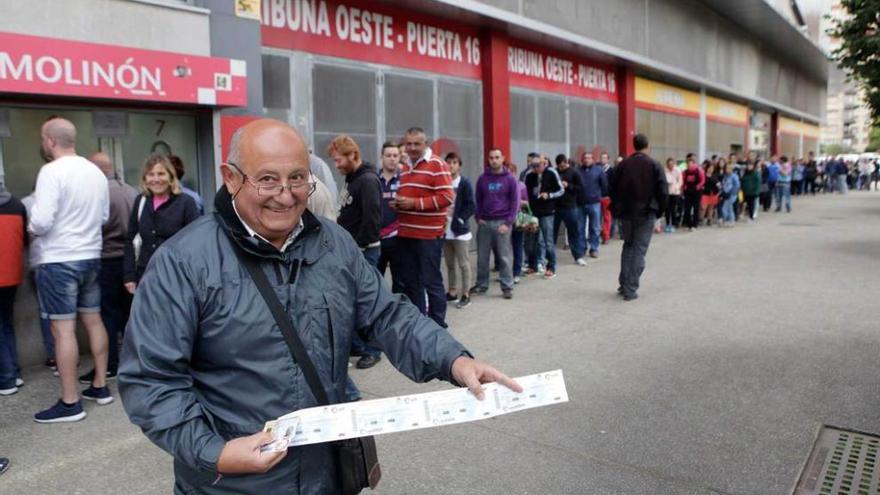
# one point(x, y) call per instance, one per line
point(153, 26)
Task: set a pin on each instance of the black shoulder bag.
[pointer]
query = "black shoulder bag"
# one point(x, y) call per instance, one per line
point(356, 459)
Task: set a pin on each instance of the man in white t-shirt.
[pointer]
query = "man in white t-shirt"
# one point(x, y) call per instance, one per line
point(71, 203)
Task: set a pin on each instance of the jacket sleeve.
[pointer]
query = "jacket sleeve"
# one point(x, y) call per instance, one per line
point(190, 210)
point(154, 380)
point(416, 345)
point(576, 186)
point(513, 198)
point(661, 189)
point(556, 193)
point(371, 211)
point(46, 196)
point(603, 185)
point(478, 196)
point(129, 269)
point(468, 205)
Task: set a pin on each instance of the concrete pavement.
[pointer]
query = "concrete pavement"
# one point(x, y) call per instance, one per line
point(743, 342)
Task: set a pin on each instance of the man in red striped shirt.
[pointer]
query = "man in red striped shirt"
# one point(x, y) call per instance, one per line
point(424, 194)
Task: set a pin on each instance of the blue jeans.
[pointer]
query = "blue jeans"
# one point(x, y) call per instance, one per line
point(727, 208)
point(516, 238)
point(9, 369)
point(546, 248)
point(45, 328)
point(68, 288)
point(115, 306)
point(358, 346)
point(783, 195)
point(637, 234)
point(591, 216)
point(420, 275)
point(572, 227)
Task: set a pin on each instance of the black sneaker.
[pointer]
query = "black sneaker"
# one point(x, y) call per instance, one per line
point(61, 413)
point(477, 290)
point(464, 302)
point(507, 293)
point(89, 377)
point(4, 464)
point(630, 297)
point(100, 395)
point(367, 361)
point(450, 297)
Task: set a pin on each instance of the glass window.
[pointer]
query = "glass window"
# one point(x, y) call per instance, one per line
point(168, 134)
point(522, 127)
point(670, 135)
point(409, 102)
point(276, 81)
point(582, 131)
point(607, 129)
point(551, 125)
point(21, 151)
point(461, 124)
point(344, 100)
point(789, 145)
point(344, 103)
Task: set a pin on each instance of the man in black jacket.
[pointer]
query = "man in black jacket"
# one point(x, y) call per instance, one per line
point(567, 209)
point(544, 187)
point(360, 213)
point(638, 193)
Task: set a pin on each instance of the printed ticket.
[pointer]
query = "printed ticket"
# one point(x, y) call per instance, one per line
point(412, 412)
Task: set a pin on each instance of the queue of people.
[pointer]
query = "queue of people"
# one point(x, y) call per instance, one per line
point(89, 238)
point(134, 266)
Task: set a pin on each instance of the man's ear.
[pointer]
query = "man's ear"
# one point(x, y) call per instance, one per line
point(230, 179)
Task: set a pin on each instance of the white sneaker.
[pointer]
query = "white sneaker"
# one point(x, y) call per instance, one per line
point(581, 262)
point(9, 391)
point(19, 382)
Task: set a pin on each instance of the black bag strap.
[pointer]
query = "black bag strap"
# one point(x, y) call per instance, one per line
point(294, 343)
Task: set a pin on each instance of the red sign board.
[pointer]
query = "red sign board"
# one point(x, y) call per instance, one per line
point(360, 30)
point(50, 66)
point(537, 68)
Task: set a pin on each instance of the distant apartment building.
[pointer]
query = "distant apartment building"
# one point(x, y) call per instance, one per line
point(847, 120)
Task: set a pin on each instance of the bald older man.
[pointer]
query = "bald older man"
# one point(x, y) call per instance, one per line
point(115, 299)
point(204, 364)
point(71, 203)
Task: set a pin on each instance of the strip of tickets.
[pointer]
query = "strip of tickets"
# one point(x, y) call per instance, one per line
point(412, 412)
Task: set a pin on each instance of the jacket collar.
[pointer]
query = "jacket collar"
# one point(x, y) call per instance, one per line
point(366, 167)
point(309, 245)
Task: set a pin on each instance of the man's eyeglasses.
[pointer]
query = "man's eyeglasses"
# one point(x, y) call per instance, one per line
point(270, 186)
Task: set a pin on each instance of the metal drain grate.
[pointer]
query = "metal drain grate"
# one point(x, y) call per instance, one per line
point(842, 462)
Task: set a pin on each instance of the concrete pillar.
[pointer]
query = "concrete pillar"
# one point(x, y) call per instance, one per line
point(496, 92)
point(701, 128)
point(626, 109)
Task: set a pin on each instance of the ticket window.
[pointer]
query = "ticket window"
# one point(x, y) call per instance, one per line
point(20, 143)
point(166, 134)
point(127, 137)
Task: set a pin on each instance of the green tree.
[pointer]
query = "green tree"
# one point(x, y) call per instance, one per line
point(859, 52)
point(874, 140)
point(834, 149)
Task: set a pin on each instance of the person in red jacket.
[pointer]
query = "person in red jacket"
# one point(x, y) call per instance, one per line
point(424, 195)
point(13, 238)
point(693, 180)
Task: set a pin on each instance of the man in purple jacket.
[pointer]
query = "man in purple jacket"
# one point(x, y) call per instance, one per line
point(497, 206)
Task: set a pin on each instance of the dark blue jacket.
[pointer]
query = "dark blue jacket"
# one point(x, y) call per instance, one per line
point(464, 207)
point(595, 184)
